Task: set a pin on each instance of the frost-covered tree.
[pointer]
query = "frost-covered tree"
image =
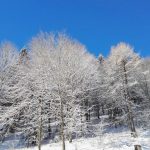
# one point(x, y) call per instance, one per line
point(41, 84)
point(103, 81)
point(122, 63)
point(8, 62)
point(72, 68)
point(65, 69)
point(143, 76)
point(57, 88)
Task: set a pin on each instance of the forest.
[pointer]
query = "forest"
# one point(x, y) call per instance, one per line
point(54, 89)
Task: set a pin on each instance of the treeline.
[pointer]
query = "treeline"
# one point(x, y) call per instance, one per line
point(55, 89)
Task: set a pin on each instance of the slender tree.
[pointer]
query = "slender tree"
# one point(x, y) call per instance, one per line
point(122, 63)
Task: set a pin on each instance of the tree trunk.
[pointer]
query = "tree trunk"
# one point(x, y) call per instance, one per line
point(62, 123)
point(49, 122)
point(103, 111)
point(89, 115)
point(137, 147)
point(49, 127)
point(98, 114)
point(40, 126)
point(70, 137)
point(128, 100)
point(40, 135)
point(146, 88)
point(62, 130)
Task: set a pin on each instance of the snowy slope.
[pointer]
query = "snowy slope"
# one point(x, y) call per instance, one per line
point(111, 141)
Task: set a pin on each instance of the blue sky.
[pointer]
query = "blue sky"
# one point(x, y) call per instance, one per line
point(98, 24)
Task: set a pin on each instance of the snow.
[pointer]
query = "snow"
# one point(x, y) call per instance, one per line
point(110, 141)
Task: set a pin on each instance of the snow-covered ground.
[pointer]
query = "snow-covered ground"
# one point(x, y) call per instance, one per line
point(112, 141)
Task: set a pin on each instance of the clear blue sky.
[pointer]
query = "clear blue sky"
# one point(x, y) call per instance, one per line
point(98, 24)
